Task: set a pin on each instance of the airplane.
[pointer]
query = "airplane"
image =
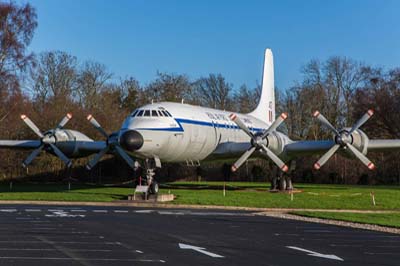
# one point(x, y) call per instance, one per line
point(178, 132)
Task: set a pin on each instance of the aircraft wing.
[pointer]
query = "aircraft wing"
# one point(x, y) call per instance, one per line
point(89, 147)
point(383, 144)
point(308, 147)
point(321, 146)
point(72, 148)
point(20, 144)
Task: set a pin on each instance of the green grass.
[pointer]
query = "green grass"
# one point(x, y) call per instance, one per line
point(244, 194)
point(384, 219)
point(313, 196)
point(50, 192)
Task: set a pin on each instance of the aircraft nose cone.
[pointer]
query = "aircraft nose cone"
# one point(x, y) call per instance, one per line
point(131, 140)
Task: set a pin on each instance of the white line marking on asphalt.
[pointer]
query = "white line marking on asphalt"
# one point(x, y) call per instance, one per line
point(120, 211)
point(170, 213)
point(8, 210)
point(199, 249)
point(316, 254)
point(78, 210)
point(33, 210)
point(62, 213)
point(102, 211)
point(144, 211)
point(139, 251)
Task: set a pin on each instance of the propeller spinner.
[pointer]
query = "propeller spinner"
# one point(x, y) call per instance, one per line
point(47, 139)
point(344, 140)
point(259, 142)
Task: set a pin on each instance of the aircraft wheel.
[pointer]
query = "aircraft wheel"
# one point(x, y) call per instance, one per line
point(154, 187)
point(282, 184)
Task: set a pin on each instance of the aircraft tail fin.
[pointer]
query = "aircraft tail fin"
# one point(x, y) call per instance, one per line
point(265, 110)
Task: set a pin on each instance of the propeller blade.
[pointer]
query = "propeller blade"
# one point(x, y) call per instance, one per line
point(32, 126)
point(362, 157)
point(325, 121)
point(97, 158)
point(32, 156)
point(61, 155)
point(275, 159)
point(275, 124)
point(241, 125)
point(242, 159)
point(97, 125)
point(326, 156)
point(362, 120)
point(64, 121)
point(125, 156)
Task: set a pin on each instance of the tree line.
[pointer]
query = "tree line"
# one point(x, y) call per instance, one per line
point(47, 85)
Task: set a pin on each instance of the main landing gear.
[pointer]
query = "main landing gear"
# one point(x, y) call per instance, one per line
point(283, 181)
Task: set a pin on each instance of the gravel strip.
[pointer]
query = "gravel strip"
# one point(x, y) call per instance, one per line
point(331, 222)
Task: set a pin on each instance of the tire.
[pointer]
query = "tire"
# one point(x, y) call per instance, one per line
point(154, 187)
point(282, 184)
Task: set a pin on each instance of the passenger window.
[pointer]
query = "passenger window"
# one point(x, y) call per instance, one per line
point(140, 113)
point(160, 113)
point(154, 113)
point(147, 113)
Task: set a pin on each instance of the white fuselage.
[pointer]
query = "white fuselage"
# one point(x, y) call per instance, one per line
point(186, 132)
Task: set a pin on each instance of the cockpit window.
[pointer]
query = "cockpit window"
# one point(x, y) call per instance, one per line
point(165, 113)
point(140, 113)
point(160, 113)
point(147, 113)
point(168, 113)
point(134, 113)
point(154, 113)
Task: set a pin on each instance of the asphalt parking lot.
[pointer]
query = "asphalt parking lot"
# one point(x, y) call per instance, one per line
point(38, 235)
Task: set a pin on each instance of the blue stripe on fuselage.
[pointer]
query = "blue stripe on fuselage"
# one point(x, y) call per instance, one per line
point(181, 121)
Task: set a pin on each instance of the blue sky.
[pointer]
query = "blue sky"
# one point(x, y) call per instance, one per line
point(140, 37)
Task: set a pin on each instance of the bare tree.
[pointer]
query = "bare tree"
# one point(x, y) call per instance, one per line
point(54, 77)
point(246, 99)
point(131, 93)
point(17, 25)
point(214, 91)
point(91, 81)
point(169, 87)
point(343, 76)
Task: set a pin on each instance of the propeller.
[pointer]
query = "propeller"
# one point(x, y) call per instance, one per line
point(112, 145)
point(259, 142)
point(48, 140)
point(344, 140)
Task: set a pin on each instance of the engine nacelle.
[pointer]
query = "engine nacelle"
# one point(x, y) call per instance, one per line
point(277, 141)
point(360, 140)
point(68, 141)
